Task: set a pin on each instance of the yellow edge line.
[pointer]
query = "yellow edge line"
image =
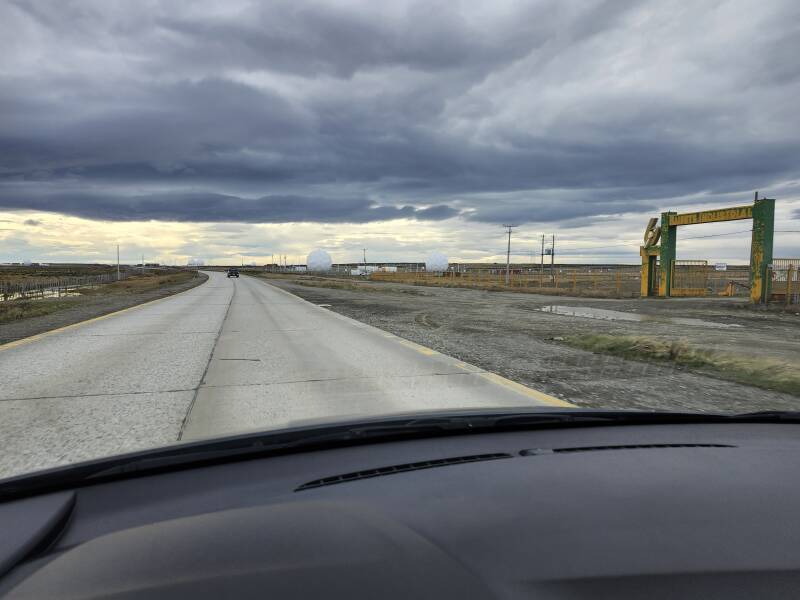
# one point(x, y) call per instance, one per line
point(540, 397)
point(44, 334)
point(417, 347)
point(526, 391)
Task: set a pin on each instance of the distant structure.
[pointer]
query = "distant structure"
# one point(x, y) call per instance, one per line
point(436, 262)
point(319, 260)
point(196, 262)
point(666, 276)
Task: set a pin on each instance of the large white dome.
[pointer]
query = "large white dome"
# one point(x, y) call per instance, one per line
point(319, 260)
point(436, 262)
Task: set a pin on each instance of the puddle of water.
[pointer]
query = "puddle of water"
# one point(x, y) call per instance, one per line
point(617, 315)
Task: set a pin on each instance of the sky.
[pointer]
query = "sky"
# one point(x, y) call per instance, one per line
point(241, 131)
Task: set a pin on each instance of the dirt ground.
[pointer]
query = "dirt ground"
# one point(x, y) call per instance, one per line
point(96, 302)
point(514, 335)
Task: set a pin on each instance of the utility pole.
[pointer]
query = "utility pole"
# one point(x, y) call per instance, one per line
point(117, 262)
point(142, 264)
point(365, 259)
point(541, 273)
point(552, 259)
point(509, 228)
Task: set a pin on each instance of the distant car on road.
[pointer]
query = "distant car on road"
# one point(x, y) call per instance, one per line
point(233, 272)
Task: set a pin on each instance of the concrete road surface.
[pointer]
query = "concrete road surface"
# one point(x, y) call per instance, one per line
point(231, 355)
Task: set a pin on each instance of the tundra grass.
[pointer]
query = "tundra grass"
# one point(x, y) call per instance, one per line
point(14, 310)
point(767, 373)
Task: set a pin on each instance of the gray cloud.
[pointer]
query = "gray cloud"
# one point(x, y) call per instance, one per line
point(32, 222)
point(208, 207)
point(551, 111)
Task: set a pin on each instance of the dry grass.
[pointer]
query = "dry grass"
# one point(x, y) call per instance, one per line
point(767, 373)
point(338, 285)
point(17, 273)
point(14, 310)
point(607, 287)
point(23, 309)
point(332, 283)
point(357, 287)
point(137, 284)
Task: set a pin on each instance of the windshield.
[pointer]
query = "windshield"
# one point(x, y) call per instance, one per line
point(246, 216)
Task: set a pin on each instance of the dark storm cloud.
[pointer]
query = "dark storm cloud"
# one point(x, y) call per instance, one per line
point(551, 111)
point(205, 207)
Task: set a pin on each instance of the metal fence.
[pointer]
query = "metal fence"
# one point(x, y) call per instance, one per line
point(35, 288)
point(689, 278)
point(784, 278)
point(619, 281)
point(692, 278)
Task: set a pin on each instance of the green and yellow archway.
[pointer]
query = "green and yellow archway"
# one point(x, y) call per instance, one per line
point(762, 212)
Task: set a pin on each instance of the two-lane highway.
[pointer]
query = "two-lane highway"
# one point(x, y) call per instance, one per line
point(229, 356)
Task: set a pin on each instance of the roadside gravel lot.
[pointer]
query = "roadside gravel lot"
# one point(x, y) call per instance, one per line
point(514, 335)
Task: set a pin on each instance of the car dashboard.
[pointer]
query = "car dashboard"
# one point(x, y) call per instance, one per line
point(651, 511)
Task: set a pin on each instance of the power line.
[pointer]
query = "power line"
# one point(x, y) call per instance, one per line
point(696, 237)
point(562, 242)
point(699, 237)
point(573, 251)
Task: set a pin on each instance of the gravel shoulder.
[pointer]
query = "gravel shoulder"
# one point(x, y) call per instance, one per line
point(88, 307)
point(510, 334)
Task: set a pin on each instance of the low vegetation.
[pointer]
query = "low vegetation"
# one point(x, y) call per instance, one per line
point(350, 286)
point(606, 285)
point(136, 284)
point(16, 273)
point(14, 310)
point(24, 309)
point(768, 373)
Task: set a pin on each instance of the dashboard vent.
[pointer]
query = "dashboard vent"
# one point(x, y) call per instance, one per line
point(403, 468)
point(539, 451)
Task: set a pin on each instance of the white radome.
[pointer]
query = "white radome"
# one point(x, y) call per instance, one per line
point(319, 260)
point(436, 262)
